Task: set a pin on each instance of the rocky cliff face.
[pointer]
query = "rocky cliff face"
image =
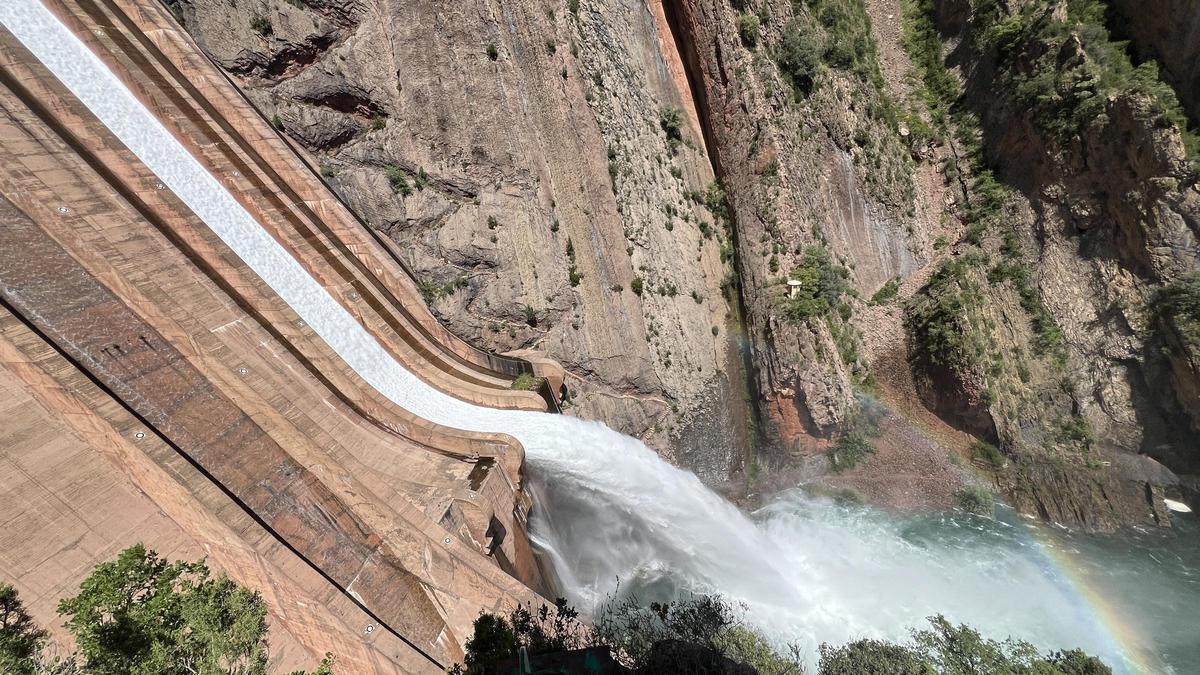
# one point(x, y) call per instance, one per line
point(928, 244)
point(533, 163)
point(816, 182)
point(1031, 260)
point(1167, 31)
point(836, 215)
point(1098, 214)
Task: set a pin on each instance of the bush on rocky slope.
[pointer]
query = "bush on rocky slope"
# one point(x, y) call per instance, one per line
point(1059, 62)
point(942, 319)
point(799, 57)
point(816, 286)
point(1179, 302)
point(706, 635)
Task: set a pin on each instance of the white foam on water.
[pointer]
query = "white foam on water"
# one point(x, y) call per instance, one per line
point(1178, 507)
point(806, 570)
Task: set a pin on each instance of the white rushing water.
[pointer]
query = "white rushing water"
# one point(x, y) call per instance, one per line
point(806, 570)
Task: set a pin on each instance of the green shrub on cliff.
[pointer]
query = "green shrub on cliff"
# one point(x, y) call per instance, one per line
point(887, 291)
point(851, 448)
point(397, 179)
point(717, 203)
point(849, 44)
point(817, 286)
point(431, 290)
point(1179, 302)
point(989, 454)
point(940, 319)
point(939, 88)
point(748, 27)
point(671, 121)
point(262, 25)
point(799, 57)
point(977, 500)
point(1062, 67)
point(843, 42)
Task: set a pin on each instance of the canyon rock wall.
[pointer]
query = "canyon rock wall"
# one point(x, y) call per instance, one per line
point(821, 147)
point(548, 173)
point(1088, 386)
point(803, 173)
point(834, 218)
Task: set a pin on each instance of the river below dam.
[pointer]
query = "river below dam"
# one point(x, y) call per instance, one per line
point(809, 570)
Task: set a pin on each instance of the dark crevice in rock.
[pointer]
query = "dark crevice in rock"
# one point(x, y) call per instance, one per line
point(742, 369)
point(690, 58)
point(288, 58)
point(350, 101)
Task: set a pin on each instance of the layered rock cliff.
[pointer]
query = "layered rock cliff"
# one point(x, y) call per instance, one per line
point(1097, 214)
point(819, 186)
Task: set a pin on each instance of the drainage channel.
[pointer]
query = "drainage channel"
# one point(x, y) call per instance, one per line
point(740, 346)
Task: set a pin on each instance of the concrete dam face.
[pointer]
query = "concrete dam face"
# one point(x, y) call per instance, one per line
point(203, 350)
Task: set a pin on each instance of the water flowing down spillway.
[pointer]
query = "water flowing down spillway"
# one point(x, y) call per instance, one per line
point(806, 570)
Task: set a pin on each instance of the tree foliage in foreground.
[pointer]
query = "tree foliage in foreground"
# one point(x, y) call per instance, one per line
point(705, 635)
point(700, 635)
point(21, 640)
point(946, 649)
point(142, 615)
